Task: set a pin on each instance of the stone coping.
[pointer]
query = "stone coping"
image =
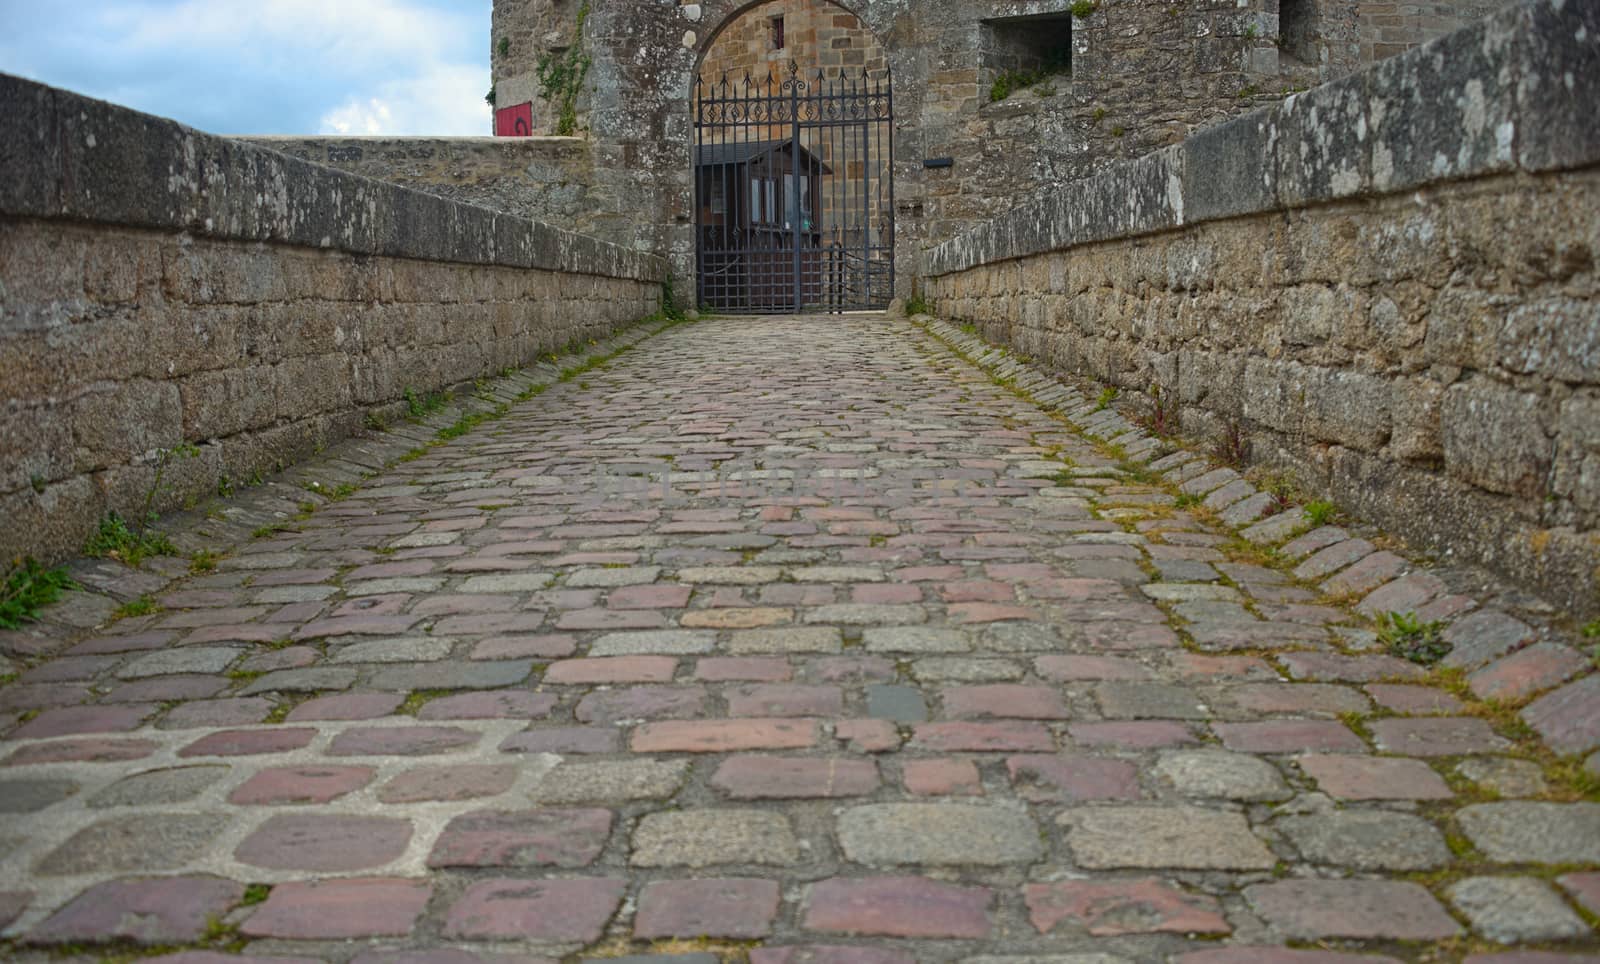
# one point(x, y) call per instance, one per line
point(1513, 92)
point(63, 155)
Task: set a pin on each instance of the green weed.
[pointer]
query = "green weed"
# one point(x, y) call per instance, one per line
point(1321, 512)
point(29, 587)
point(115, 540)
point(143, 606)
point(1406, 636)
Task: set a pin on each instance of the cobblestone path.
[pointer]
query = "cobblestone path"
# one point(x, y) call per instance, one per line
point(805, 640)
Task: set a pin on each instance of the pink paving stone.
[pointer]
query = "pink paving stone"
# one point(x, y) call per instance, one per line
point(563, 739)
point(1568, 718)
point(926, 573)
point(305, 784)
point(1368, 574)
point(1004, 701)
point(583, 619)
point(1381, 909)
point(1584, 889)
point(1307, 699)
point(867, 736)
point(1436, 736)
point(400, 740)
point(1121, 635)
point(1052, 777)
point(72, 720)
point(716, 907)
point(1064, 667)
point(1133, 734)
point(1367, 668)
point(1108, 908)
point(1276, 955)
point(534, 646)
point(89, 749)
point(1190, 665)
point(756, 669)
point(346, 706)
point(130, 643)
point(780, 778)
point(612, 669)
point(158, 910)
point(785, 700)
point(340, 909)
point(941, 778)
point(291, 657)
point(390, 570)
point(356, 626)
point(486, 623)
point(897, 907)
point(1374, 778)
point(250, 742)
point(564, 910)
point(886, 594)
point(522, 838)
point(723, 736)
point(489, 705)
point(982, 737)
point(614, 705)
point(234, 711)
point(829, 954)
point(324, 842)
point(1527, 671)
point(649, 597)
point(247, 633)
point(163, 689)
point(977, 590)
point(851, 669)
point(460, 782)
point(1289, 736)
point(1405, 698)
point(980, 612)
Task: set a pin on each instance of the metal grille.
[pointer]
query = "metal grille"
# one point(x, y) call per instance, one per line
point(794, 195)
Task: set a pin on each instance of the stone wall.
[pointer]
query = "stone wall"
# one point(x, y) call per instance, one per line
point(1389, 28)
point(160, 286)
point(1387, 283)
point(554, 179)
point(1143, 74)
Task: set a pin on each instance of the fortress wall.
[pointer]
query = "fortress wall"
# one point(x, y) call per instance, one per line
point(161, 286)
point(1388, 284)
point(553, 179)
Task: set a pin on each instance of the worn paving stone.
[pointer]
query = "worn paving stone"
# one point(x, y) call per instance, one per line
point(1505, 776)
point(129, 844)
point(1374, 778)
point(556, 910)
point(1227, 776)
point(161, 910)
point(464, 781)
point(1381, 909)
point(324, 842)
point(523, 838)
point(304, 784)
point(1511, 910)
point(28, 796)
point(701, 838)
point(1548, 833)
point(612, 781)
point(1437, 736)
point(1067, 778)
point(938, 833)
point(727, 908)
point(897, 907)
point(1112, 908)
point(778, 778)
point(155, 787)
point(1367, 840)
point(339, 909)
point(1149, 837)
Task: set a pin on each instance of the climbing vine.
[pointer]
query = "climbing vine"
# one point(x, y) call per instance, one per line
point(561, 78)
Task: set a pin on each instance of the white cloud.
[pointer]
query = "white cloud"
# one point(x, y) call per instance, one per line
point(444, 100)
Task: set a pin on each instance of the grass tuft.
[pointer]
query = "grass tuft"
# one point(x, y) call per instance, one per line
point(29, 587)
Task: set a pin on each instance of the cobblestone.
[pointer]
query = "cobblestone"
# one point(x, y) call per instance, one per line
point(830, 661)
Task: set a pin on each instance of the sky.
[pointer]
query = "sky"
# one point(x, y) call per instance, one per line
point(265, 66)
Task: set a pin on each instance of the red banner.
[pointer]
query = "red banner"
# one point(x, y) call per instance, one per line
point(514, 121)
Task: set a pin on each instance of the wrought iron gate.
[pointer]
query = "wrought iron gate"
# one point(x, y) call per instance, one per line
point(794, 192)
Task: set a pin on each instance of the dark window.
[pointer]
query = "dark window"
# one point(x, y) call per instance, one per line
point(1020, 52)
point(1297, 30)
point(776, 24)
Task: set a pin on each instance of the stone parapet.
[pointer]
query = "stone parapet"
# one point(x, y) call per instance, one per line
point(162, 287)
point(1387, 283)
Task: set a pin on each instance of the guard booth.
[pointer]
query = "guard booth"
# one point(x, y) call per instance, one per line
point(760, 229)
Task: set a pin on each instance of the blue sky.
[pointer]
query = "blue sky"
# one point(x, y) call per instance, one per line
point(265, 66)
